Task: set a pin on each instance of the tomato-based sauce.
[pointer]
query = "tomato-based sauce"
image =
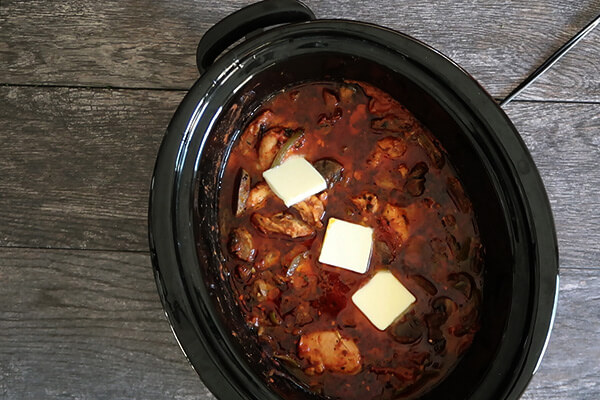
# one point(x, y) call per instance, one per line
point(386, 171)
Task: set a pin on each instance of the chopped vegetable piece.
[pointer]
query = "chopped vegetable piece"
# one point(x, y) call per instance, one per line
point(241, 244)
point(331, 170)
point(250, 135)
point(269, 146)
point(293, 142)
point(296, 262)
point(243, 192)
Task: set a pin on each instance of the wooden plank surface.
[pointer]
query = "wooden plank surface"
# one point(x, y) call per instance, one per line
point(87, 89)
point(86, 325)
point(570, 368)
point(151, 44)
point(89, 325)
point(564, 140)
point(77, 163)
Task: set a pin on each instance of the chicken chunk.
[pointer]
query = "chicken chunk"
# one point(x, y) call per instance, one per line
point(388, 147)
point(394, 225)
point(366, 203)
point(258, 196)
point(312, 210)
point(392, 147)
point(328, 350)
point(242, 245)
point(269, 146)
point(250, 135)
point(283, 223)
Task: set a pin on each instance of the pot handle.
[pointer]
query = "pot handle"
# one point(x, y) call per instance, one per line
point(237, 25)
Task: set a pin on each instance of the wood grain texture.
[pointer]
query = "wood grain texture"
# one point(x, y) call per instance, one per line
point(87, 325)
point(570, 368)
point(564, 140)
point(151, 44)
point(76, 165)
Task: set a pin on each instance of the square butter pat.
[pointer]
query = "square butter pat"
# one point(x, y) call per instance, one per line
point(347, 245)
point(383, 299)
point(294, 180)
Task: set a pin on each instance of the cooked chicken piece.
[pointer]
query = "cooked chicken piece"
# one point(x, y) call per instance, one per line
point(403, 170)
point(312, 209)
point(366, 203)
point(347, 93)
point(283, 223)
point(258, 196)
point(393, 147)
point(329, 350)
point(269, 146)
point(241, 244)
point(388, 147)
point(395, 218)
point(250, 135)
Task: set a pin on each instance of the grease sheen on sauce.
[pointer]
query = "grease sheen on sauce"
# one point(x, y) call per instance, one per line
point(287, 297)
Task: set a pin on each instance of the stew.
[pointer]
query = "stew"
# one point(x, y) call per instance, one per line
point(383, 170)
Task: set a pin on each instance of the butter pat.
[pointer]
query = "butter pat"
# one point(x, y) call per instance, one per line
point(347, 245)
point(383, 299)
point(294, 180)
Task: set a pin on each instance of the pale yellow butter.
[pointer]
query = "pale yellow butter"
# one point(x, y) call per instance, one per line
point(294, 180)
point(347, 245)
point(383, 299)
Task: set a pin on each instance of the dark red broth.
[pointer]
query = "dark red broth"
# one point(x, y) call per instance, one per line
point(397, 180)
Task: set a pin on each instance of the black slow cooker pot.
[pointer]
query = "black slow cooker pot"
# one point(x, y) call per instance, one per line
point(512, 209)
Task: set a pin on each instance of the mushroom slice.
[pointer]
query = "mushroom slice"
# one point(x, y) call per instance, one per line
point(250, 135)
point(243, 192)
point(269, 146)
point(331, 170)
point(242, 245)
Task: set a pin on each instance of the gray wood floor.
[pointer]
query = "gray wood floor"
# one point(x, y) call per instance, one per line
point(87, 89)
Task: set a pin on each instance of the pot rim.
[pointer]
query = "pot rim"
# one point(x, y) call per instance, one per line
point(168, 231)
